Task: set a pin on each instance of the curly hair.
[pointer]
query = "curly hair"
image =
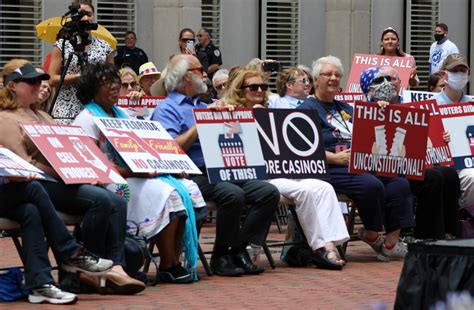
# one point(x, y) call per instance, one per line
point(93, 76)
point(7, 97)
point(234, 94)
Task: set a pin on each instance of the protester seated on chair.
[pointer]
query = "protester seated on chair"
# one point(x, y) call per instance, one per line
point(382, 202)
point(316, 202)
point(104, 213)
point(437, 195)
point(184, 82)
point(129, 83)
point(161, 205)
point(28, 203)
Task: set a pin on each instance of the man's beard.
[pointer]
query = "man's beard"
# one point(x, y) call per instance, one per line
point(198, 85)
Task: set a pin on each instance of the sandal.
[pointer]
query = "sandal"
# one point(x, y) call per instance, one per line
point(322, 260)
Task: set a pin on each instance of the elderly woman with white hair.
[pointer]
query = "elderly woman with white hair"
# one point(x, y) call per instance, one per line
point(383, 203)
point(219, 82)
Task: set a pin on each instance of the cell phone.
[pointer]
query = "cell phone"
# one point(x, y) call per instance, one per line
point(190, 45)
point(271, 66)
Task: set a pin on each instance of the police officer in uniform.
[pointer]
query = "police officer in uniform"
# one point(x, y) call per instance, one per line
point(130, 55)
point(212, 52)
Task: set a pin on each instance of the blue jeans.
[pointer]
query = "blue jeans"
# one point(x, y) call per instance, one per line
point(29, 204)
point(104, 216)
point(381, 201)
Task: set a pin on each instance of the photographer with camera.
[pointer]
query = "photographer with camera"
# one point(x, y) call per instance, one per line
point(77, 43)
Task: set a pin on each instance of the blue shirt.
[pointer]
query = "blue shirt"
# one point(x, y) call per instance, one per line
point(175, 113)
point(441, 98)
point(336, 121)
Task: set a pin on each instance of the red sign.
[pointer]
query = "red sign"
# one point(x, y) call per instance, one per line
point(389, 142)
point(437, 150)
point(350, 97)
point(361, 62)
point(145, 101)
point(74, 156)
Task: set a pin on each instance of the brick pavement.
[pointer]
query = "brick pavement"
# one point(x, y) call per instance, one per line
point(362, 284)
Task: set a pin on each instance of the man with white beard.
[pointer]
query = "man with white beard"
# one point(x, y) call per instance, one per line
point(184, 82)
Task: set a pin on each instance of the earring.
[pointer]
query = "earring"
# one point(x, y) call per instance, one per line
point(398, 47)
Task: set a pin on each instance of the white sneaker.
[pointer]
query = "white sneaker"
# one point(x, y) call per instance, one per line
point(376, 245)
point(398, 251)
point(51, 294)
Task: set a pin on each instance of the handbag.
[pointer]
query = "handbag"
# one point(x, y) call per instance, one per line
point(136, 252)
point(11, 285)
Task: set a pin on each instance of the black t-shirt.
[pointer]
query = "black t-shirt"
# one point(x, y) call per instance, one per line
point(132, 58)
point(212, 53)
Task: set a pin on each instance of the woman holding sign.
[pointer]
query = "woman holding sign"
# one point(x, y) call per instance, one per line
point(390, 46)
point(438, 194)
point(162, 206)
point(382, 202)
point(316, 202)
point(104, 213)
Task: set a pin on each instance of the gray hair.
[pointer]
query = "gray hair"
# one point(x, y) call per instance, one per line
point(304, 68)
point(254, 64)
point(327, 60)
point(220, 73)
point(174, 75)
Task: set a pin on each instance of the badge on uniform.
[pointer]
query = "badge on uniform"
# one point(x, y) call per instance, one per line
point(217, 53)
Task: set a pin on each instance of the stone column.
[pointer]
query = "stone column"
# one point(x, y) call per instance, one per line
point(170, 16)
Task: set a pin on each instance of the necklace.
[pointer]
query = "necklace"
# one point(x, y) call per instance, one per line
point(340, 121)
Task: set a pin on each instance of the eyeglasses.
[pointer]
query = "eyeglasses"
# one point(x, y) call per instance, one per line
point(381, 79)
point(302, 80)
point(32, 81)
point(200, 69)
point(255, 87)
point(337, 75)
point(127, 85)
point(221, 86)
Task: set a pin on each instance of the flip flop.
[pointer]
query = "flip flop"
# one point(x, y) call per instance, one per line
point(324, 262)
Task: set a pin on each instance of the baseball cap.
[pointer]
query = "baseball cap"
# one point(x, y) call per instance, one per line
point(27, 71)
point(147, 68)
point(453, 61)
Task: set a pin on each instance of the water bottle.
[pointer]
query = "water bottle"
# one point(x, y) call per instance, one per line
point(254, 253)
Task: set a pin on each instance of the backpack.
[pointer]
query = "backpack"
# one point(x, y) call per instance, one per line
point(11, 285)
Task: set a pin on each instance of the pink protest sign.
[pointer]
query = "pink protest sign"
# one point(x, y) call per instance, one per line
point(73, 155)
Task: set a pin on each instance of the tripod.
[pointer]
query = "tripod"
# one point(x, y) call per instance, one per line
point(79, 52)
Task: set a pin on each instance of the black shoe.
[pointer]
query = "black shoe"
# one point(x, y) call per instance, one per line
point(223, 266)
point(177, 274)
point(242, 260)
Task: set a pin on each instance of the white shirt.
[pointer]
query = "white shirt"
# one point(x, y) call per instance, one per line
point(286, 102)
point(439, 52)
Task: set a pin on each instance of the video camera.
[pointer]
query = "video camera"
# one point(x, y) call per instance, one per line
point(76, 30)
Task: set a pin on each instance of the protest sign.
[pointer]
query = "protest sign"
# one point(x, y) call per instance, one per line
point(12, 165)
point(389, 142)
point(415, 95)
point(292, 144)
point(74, 156)
point(350, 97)
point(145, 146)
point(142, 107)
point(230, 145)
point(458, 120)
point(437, 150)
point(361, 62)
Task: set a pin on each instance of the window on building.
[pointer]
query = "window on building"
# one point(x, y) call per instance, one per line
point(422, 16)
point(118, 16)
point(17, 30)
point(280, 28)
point(211, 18)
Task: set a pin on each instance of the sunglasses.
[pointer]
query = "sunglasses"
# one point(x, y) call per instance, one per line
point(200, 69)
point(186, 39)
point(302, 81)
point(381, 79)
point(127, 85)
point(32, 81)
point(255, 87)
point(221, 86)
